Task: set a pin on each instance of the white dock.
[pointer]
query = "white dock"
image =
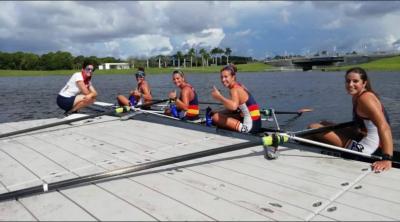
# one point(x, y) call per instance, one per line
point(240, 185)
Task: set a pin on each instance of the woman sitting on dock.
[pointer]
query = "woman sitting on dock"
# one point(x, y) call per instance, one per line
point(79, 91)
point(140, 95)
point(242, 111)
point(372, 130)
point(186, 106)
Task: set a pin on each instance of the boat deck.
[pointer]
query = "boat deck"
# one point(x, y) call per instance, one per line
point(239, 185)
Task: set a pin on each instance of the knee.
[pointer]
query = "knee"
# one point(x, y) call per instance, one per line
point(91, 100)
point(215, 117)
point(88, 101)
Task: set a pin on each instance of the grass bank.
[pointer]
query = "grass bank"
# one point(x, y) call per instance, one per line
point(251, 67)
point(386, 64)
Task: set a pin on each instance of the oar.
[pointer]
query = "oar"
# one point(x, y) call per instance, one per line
point(269, 112)
point(281, 137)
point(112, 112)
point(288, 137)
point(126, 170)
point(118, 110)
point(323, 129)
point(210, 103)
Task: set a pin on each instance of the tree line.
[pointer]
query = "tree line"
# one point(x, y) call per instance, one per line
point(50, 61)
point(62, 60)
point(193, 57)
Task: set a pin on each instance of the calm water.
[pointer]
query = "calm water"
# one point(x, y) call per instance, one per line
point(27, 98)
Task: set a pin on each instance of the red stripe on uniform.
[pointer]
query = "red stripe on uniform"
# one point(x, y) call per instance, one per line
point(253, 107)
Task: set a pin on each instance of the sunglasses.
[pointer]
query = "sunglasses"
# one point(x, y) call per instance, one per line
point(139, 76)
point(89, 69)
point(178, 72)
point(229, 68)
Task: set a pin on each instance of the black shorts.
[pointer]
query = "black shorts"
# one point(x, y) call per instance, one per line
point(65, 103)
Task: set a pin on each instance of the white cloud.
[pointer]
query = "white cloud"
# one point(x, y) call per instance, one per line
point(147, 28)
point(148, 45)
point(285, 16)
point(242, 33)
point(208, 38)
point(335, 24)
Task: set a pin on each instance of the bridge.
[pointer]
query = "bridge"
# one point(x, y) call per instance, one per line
point(308, 63)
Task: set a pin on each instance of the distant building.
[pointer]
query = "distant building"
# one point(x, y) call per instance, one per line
point(115, 65)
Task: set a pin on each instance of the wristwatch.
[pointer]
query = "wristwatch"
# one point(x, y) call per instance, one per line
point(387, 157)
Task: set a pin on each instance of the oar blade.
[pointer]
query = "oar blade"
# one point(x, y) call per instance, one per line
point(304, 110)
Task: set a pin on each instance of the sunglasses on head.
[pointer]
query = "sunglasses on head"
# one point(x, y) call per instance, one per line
point(140, 74)
point(230, 68)
point(178, 72)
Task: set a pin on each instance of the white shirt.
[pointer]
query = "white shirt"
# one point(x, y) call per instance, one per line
point(371, 141)
point(71, 88)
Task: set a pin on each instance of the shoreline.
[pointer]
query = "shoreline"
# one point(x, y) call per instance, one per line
point(383, 65)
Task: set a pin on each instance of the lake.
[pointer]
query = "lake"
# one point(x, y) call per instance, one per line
point(28, 98)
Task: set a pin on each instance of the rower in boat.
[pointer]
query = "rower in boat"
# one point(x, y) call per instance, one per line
point(372, 131)
point(186, 106)
point(78, 92)
point(242, 112)
point(140, 95)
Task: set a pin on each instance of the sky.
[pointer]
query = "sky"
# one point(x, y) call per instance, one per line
point(259, 29)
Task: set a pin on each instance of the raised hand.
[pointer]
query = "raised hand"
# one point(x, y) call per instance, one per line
point(216, 94)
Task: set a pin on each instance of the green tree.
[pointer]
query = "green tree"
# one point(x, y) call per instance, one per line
point(191, 54)
point(202, 52)
point(29, 61)
point(214, 53)
point(55, 61)
point(207, 57)
point(78, 61)
point(179, 56)
point(228, 52)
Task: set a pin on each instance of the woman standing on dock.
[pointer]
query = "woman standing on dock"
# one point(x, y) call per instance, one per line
point(140, 95)
point(242, 111)
point(372, 130)
point(186, 106)
point(79, 91)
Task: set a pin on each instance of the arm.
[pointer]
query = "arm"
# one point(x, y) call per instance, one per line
point(84, 90)
point(230, 104)
point(88, 92)
point(183, 102)
point(145, 92)
point(93, 92)
point(370, 107)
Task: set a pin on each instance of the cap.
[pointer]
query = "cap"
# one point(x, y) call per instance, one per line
point(140, 74)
